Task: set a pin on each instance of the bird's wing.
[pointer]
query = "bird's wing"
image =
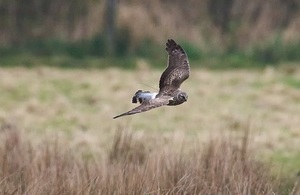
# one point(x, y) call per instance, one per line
point(178, 69)
point(147, 105)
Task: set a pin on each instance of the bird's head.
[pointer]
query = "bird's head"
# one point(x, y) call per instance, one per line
point(182, 96)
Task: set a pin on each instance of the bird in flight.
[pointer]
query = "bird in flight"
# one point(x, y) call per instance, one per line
point(177, 71)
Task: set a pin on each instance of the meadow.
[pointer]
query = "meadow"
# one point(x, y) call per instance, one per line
point(237, 134)
point(68, 67)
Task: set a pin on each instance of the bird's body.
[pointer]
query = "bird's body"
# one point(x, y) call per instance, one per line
point(177, 71)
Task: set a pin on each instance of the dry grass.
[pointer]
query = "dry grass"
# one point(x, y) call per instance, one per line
point(81, 103)
point(57, 132)
point(220, 167)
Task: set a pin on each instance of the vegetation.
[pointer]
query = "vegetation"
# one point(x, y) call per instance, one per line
point(93, 54)
point(215, 33)
point(55, 167)
point(237, 134)
point(57, 125)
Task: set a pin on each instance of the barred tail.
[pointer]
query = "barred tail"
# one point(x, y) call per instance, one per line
point(135, 98)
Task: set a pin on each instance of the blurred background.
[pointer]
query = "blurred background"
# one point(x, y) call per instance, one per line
point(67, 67)
point(217, 33)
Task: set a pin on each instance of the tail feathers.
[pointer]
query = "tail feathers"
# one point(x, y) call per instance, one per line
point(135, 97)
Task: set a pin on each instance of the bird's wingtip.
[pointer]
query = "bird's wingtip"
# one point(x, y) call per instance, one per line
point(117, 116)
point(170, 41)
point(124, 114)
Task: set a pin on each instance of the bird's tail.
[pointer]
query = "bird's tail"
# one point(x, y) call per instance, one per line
point(135, 97)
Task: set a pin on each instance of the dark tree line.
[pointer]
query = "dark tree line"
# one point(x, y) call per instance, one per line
point(235, 24)
point(24, 20)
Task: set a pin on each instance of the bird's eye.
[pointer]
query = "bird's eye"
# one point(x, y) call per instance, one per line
point(181, 96)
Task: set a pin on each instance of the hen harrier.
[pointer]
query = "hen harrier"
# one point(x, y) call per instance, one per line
point(176, 73)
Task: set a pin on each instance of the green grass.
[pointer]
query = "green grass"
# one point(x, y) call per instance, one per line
point(93, 53)
point(287, 163)
point(64, 61)
point(292, 82)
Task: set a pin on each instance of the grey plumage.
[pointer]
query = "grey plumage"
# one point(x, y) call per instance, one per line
point(177, 71)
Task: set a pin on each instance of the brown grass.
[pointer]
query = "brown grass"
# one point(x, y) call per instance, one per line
point(78, 105)
point(220, 167)
point(57, 135)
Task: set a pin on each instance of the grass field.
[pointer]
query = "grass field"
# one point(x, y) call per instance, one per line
point(75, 107)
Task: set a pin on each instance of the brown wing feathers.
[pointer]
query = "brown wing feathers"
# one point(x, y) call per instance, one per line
point(178, 69)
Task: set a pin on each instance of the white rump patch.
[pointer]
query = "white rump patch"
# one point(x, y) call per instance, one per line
point(147, 95)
